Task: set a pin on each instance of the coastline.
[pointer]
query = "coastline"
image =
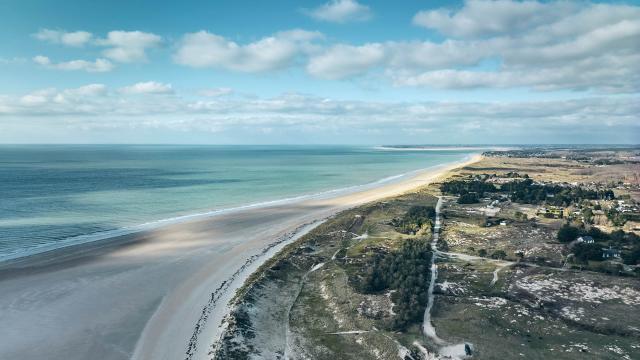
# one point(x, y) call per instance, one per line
point(243, 280)
point(341, 291)
point(146, 291)
point(107, 238)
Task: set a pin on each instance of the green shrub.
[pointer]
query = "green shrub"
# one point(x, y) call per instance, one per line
point(469, 198)
point(499, 254)
point(568, 233)
point(585, 252)
point(415, 219)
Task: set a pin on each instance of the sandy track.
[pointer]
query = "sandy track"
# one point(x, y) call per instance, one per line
point(141, 295)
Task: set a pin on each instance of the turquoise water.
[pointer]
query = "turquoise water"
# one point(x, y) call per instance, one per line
point(55, 195)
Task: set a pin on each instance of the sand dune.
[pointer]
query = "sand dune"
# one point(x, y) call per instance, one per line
point(141, 295)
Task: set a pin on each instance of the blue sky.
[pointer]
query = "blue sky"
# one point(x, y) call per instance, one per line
point(342, 71)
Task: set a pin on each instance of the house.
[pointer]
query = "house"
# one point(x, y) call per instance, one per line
point(610, 253)
point(585, 239)
point(554, 212)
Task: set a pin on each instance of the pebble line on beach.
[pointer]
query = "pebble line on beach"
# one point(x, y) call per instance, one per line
point(224, 286)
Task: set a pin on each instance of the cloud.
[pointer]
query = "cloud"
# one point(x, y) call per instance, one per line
point(128, 46)
point(216, 92)
point(203, 49)
point(297, 111)
point(343, 61)
point(121, 46)
point(74, 39)
point(341, 11)
point(296, 117)
point(611, 74)
point(50, 102)
point(99, 65)
point(479, 18)
point(88, 90)
point(482, 44)
point(542, 46)
point(149, 87)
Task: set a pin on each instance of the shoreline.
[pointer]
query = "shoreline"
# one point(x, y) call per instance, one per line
point(247, 276)
point(214, 325)
point(120, 234)
point(144, 293)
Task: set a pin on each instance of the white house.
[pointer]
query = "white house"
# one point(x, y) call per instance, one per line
point(585, 239)
point(610, 253)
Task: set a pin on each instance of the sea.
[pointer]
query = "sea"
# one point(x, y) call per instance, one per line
point(53, 196)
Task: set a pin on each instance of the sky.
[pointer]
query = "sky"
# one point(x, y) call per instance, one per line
point(318, 72)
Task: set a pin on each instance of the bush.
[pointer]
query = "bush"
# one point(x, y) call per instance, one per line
point(420, 213)
point(597, 234)
point(415, 219)
point(468, 198)
point(499, 254)
point(585, 252)
point(568, 233)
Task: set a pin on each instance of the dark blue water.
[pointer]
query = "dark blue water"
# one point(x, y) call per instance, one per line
point(53, 195)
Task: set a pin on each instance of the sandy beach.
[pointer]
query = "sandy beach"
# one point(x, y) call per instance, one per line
point(141, 295)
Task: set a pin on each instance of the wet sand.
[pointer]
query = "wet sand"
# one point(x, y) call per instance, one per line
point(141, 295)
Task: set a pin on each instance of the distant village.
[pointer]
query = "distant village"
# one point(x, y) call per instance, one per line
point(597, 224)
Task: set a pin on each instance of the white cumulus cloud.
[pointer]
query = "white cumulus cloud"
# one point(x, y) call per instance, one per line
point(94, 107)
point(342, 61)
point(149, 87)
point(503, 44)
point(493, 17)
point(216, 92)
point(99, 65)
point(203, 49)
point(128, 46)
point(74, 38)
point(341, 11)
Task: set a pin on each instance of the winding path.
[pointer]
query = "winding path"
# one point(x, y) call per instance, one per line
point(427, 326)
point(448, 350)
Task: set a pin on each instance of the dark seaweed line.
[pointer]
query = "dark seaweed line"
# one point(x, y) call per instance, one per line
point(215, 296)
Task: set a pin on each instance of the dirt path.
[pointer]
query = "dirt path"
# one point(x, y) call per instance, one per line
point(445, 349)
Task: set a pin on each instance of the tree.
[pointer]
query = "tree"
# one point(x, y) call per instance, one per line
point(633, 257)
point(568, 233)
point(597, 234)
point(406, 271)
point(618, 236)
point(588, 216)
point(499, 254)
point(520, 216)
point(415, 219)
point(585, 252)
point(468, 198)
point(482, 252)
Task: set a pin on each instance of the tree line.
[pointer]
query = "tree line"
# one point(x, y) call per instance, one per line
point(407, 271)
point(523, 191)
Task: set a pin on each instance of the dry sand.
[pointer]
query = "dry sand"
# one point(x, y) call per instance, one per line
point(141, 295)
